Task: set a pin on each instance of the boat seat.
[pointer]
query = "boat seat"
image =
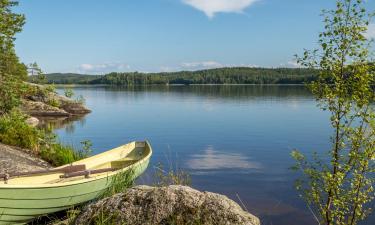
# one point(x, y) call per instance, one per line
point(67, 169)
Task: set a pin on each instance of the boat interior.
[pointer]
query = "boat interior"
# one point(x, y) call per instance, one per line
point(92, 167)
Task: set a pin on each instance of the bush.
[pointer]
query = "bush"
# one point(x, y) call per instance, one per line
point(54, 102)
point(15, 131)
point(68, 92)
point(59, 154)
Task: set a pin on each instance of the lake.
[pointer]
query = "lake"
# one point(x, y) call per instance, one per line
point(233, 140)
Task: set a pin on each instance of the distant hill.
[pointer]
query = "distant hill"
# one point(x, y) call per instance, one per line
point(235, 75)
point(67, 78)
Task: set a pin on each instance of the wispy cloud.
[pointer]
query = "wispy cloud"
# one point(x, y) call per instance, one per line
point(290, 64)
point(370, 34)
point(201, 65)
point(209, 65)
point(103, 68)
point(211, 7)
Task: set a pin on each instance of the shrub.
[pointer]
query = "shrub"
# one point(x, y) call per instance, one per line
point(15, 131)
point(59, 154)
point(68, 92)
point(53, 102)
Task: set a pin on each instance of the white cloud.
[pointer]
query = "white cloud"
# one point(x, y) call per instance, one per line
point(370, 34)
point(291, 64)
point(103, 68)
point(200, 65)
point(208, 65)
point(211, 7)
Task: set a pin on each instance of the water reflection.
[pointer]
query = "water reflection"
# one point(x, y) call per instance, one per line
point(215, 160)
point(67, 123)
point(230, 92)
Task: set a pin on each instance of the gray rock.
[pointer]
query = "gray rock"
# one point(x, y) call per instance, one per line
point(32, 121)
point(144, 205)
point(41, 109)
point(15, 159)
point(67, 104)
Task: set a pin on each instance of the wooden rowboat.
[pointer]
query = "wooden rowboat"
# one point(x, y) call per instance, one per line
point(25, 196)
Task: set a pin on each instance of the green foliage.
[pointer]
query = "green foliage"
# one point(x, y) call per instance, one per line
point(35, 70)
point(50, 88)
point(12, 72)
point(340, 191)
point(119, 183)
point(174, 176)
point(86, 149)
point(68, 92)
point(240, 75)
point(235, 75)
point(53, 102)
point(66, 78)
point(59, 154)
point(15, 131)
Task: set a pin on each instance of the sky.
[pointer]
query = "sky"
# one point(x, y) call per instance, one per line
point(97, 37)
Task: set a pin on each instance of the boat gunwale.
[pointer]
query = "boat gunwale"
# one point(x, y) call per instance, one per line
point(86, 180)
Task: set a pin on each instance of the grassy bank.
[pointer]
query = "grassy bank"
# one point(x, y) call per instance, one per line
point(16, 132)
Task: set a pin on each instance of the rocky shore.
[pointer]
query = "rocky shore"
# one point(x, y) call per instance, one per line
point(38, 106)
point(50, 104)
point(14, 159)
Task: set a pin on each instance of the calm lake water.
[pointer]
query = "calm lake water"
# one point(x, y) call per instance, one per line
point(234, 140)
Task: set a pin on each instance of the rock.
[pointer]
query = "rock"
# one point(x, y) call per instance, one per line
point(32, 121)
point(144, 205)
point(15, 159)
point(41, 109)
point(70, 106)
point(65, 106)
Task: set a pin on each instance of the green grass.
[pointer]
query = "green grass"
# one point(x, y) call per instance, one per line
point(119, 183)
point(15, 131)
point(173, 176)
point(59, 154)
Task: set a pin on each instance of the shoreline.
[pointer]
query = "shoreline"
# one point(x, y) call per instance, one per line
point(167, 85)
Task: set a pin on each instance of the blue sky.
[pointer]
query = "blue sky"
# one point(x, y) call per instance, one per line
point(96, 36)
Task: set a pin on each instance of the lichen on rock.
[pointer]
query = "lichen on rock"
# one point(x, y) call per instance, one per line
point(145, 205)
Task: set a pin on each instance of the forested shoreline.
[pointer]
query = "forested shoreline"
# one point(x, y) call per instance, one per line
point(234, 75)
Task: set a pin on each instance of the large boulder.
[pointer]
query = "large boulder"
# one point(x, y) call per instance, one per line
point(13, 159)
point(144, 205)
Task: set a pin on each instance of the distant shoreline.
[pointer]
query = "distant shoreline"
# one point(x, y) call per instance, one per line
point(166, 85)
point(221, 76)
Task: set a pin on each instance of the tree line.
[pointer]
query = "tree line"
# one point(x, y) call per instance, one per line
point(233, 75)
